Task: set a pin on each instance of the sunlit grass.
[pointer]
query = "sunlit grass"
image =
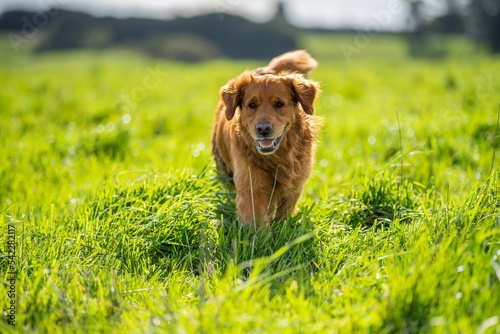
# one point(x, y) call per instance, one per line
point(123, 226)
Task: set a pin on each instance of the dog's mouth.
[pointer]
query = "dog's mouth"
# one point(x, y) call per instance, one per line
point(268, 146)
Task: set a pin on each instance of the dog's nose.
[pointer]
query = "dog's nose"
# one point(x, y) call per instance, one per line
point(264, 128)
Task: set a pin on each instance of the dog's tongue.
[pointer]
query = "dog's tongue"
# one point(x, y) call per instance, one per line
point(266, 143)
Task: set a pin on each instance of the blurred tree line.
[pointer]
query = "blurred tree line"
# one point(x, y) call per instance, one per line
point(484, 22)
point(480, 19)
point(222, 35)
point(189, 39)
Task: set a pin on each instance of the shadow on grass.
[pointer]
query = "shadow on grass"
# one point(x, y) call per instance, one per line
point(237, 245)
point(159, 224)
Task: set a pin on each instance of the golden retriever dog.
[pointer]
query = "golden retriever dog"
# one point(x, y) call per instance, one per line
point(264, 136)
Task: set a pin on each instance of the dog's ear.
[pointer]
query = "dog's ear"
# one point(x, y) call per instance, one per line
point(304, 92)
point(232, 93)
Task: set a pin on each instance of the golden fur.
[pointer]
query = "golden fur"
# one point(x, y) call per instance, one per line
point(264, 136)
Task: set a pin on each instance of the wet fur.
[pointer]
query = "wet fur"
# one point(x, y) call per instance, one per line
point(267, 186)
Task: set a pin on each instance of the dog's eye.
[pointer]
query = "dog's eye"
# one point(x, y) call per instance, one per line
point(252, 105)
point(279, 104)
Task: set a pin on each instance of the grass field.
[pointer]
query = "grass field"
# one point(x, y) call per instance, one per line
point(109, 199)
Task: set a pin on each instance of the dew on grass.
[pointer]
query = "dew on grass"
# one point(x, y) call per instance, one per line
point(478, 173)
point(126, 118)
point(110, 127)
point(198, 149)
point(438, 321)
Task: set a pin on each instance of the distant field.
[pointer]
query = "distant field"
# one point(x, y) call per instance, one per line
point(109, 198)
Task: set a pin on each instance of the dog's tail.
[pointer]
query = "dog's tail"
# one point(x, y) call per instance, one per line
point(299, 61)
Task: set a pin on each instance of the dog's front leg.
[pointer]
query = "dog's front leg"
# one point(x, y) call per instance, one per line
point(252, 200)
point(253, 209)
point(286, 207)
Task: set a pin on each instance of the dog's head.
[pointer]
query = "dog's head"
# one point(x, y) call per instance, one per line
point(268, 105)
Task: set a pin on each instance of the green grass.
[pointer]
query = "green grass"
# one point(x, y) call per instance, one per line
point(122, 225)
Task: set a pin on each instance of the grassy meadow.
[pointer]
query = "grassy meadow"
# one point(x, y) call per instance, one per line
point(110, 201)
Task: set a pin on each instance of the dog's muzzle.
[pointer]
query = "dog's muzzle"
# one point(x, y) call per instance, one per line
point(268, 146)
